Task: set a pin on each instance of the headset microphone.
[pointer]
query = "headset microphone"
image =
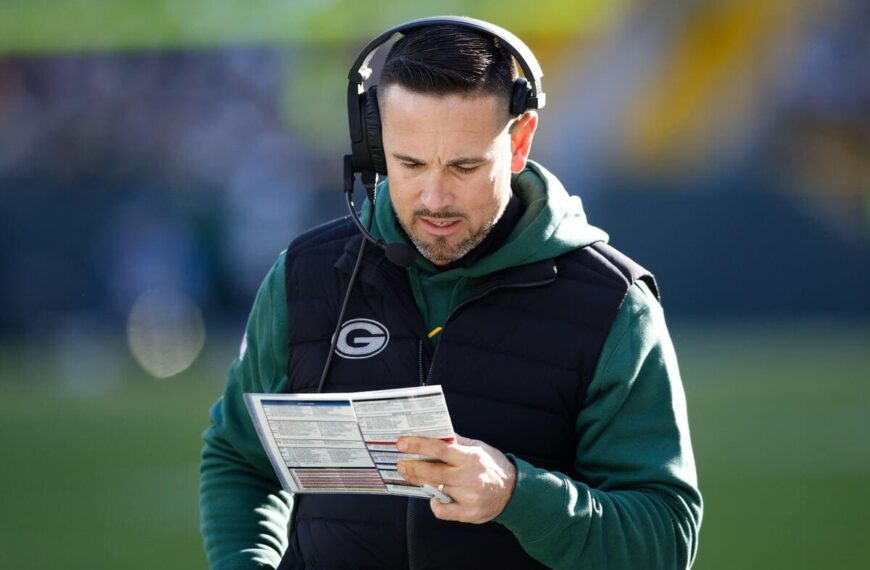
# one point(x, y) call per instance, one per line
point(400, 254)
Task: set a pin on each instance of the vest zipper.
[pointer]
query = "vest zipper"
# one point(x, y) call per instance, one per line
point(420, 362)
point(409, 517)
point(409, 528)
point(471, 300)
point(409, 514)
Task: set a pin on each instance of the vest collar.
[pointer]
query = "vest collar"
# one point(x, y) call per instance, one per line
point(380, 273)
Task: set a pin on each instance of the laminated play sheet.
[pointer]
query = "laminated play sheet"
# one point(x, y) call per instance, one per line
point(346, 442)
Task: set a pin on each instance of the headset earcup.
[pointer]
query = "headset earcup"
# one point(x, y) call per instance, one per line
point(520, 96)
point(372, 125)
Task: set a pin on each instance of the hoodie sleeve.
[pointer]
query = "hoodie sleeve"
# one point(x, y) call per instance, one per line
point(637, 505)
point(244, 512)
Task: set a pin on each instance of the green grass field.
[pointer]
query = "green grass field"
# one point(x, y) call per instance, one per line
point(107, 478)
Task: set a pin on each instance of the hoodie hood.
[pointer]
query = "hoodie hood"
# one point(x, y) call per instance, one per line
point(553, 223)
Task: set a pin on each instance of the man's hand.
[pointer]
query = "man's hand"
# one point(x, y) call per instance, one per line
point(478, 477)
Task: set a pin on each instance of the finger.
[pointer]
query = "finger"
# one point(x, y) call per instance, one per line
point(458, 510)
point(437, 448)
point(447, 511)
point(465, 441)
point(418, 472)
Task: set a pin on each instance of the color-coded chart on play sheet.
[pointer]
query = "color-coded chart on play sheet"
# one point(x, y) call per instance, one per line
point(346, 442)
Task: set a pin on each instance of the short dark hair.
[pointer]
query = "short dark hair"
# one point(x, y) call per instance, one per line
point(447, 60)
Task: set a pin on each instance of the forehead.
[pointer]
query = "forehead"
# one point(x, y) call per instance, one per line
point(404, 111)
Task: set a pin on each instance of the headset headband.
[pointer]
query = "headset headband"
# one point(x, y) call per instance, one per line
point(360, 71)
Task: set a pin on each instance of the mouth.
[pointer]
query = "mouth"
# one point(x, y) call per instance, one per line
point(440, 226)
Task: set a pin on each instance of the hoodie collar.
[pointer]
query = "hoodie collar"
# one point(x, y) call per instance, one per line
point(552, 223)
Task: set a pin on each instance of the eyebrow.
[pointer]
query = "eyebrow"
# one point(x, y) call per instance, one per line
point(466, 160)
point(406, 158)
point(462, 160)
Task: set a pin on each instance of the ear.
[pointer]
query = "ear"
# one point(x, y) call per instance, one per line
point(522, 132)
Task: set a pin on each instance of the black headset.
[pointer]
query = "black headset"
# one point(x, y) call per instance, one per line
point(364, 117)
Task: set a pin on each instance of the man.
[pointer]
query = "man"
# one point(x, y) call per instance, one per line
point(550, 346)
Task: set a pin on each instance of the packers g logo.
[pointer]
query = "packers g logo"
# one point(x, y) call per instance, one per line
point(361, 338)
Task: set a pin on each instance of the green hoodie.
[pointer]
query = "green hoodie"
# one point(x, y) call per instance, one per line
point(638, 505)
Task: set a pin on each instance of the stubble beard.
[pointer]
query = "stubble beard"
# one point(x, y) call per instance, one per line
point(440, 251)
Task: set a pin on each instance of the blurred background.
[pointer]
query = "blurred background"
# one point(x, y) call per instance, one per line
point(155, 157)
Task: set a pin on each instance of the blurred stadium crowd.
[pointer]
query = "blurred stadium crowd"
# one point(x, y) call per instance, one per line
point(726, 145)
point(156, 156)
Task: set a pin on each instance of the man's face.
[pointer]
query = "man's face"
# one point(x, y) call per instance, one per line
point(450, 160)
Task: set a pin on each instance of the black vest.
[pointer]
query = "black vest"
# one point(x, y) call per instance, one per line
point(514, 361)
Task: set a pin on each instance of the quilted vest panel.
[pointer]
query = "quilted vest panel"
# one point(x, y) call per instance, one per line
point(513, 360)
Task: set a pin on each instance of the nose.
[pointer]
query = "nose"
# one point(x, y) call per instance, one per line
point(436, 195)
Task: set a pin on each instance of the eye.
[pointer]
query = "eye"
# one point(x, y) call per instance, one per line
point(466, 169)
point(411, 165)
